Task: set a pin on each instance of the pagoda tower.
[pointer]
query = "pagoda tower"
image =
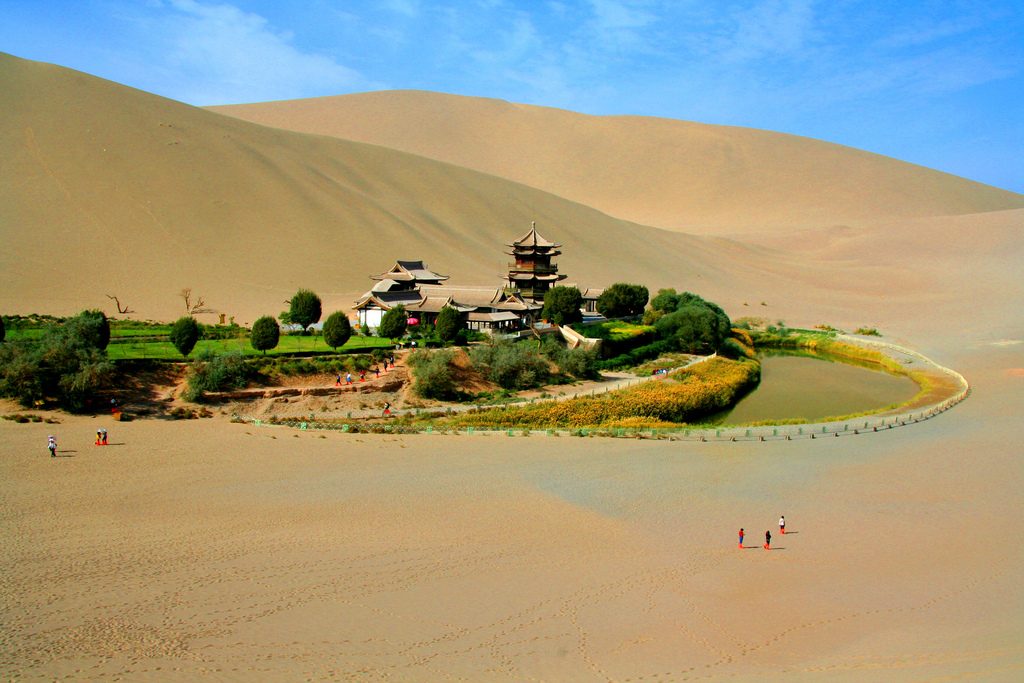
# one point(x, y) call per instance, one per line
point(533, 273)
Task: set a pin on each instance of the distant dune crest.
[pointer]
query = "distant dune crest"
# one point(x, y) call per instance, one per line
point(671, 174)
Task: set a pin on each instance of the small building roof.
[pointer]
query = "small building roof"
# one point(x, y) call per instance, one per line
point(410, 271)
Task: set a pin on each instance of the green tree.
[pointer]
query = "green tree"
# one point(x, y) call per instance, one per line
point(337, 330)
point(449, 323)
point(562, 305)
point(185, 333)
point(210, 372)
point(511, 365)
point(622, 300)
point(393, 323)
point(266, 334)
point(305, 308)
point(432, 372)
point(93, 326)
point(666, 300)
point(696, 327)
point(63, 364)
point(3, 330)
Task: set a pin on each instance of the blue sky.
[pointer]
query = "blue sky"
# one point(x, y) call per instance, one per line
point(938, 83)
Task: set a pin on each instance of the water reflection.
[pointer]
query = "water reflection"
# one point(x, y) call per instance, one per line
point(810, 387)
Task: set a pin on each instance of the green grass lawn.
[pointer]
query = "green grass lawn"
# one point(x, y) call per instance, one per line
point(288, 344)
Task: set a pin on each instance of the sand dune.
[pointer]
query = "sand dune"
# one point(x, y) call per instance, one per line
point(109, 190)
point(672, 174)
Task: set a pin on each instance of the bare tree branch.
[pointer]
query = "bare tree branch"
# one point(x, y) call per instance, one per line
point(122, 310)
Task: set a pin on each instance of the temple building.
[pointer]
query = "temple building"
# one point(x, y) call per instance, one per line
point(489, 309)
point(532, 274)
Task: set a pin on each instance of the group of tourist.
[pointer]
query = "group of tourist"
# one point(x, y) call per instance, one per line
point(767, 533)
point(101, 440)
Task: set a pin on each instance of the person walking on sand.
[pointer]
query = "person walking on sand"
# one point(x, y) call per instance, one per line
point(348, 378)
point(376, 372)
point(782, 525)
point(337, 381)
point(51, 445)
point(741, 538)
point(767, 539)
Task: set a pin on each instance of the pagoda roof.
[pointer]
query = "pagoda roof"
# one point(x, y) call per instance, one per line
point(533, 239)
point(406, 271)
point(554, 277)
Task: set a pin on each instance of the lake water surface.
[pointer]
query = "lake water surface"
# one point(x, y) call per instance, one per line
point(814, 387)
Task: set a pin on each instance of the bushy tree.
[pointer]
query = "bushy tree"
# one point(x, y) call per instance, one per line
point(185, 333)
point(562, 305)
point(210, 372)
point(337, 330)
point(666, 301)
point(622, 300)
point(64, 364)
point(697, 326)
point(393, 323)
point(511, 365)
point(432, 372)
point(93, 326)
point(450, 323)
point(266, 334)
point(305, 308)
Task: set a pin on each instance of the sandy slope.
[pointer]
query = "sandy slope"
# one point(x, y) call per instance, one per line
point(672, 174)
point(212, 551)
point(108, 190)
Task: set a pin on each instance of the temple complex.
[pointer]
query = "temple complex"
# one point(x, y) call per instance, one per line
point(508, 308)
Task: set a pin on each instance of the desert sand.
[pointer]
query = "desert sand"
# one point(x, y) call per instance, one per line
point(217, 551)
point(677, 175)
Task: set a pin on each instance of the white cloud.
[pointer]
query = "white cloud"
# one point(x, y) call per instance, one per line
point(225, 54)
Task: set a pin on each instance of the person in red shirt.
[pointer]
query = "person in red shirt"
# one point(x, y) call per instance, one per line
point(741, 537)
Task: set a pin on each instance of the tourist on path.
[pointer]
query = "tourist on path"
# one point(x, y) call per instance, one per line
point(782, 525)
point(348, 378)
point(376, 371)
point(337, 382)
point(741, 537)
point(767, 539)
point(51, 445)
point(387, 408)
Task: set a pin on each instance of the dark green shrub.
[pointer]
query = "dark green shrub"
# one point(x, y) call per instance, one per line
point(304, 308)
point(337, 330)
point(3, 330)
point(185, 332)
point(432, 371)
point(266, 334)
point(511, 365)
point(580, 363)
point(393, 323)
point(210, 372)
point(562, 305)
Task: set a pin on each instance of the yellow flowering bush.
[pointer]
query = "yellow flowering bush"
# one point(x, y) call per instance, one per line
point(705, 388)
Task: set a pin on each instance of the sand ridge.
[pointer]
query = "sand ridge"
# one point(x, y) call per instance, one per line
point(677, 175)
